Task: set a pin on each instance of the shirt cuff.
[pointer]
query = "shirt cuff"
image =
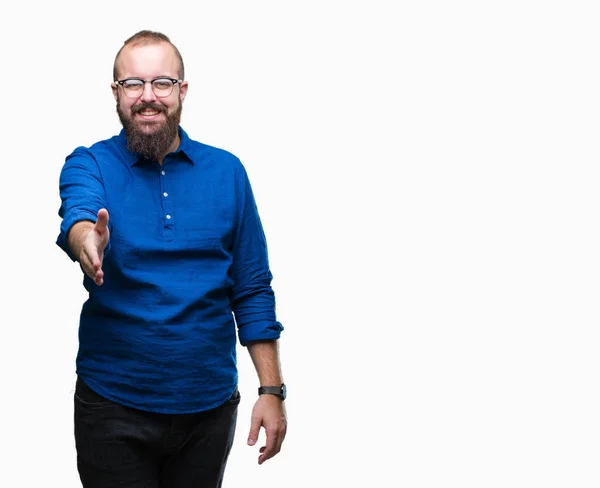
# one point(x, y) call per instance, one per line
point(259, 331)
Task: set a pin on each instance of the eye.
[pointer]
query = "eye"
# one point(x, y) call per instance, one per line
point(162, 84)
point(133, 84)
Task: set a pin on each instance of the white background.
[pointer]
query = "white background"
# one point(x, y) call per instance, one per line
point(427, 174)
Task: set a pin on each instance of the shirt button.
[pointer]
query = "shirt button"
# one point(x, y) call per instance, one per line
point(168, 217)
point(165, 194)
point(162, 173)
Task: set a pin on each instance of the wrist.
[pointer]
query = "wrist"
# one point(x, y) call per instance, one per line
point(278, 391)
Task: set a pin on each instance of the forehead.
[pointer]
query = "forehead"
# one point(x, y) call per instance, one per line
point(147, 61)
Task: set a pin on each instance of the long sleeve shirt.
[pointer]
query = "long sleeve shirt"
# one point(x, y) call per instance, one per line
point(185, 271)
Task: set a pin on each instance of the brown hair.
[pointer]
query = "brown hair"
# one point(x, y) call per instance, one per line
point(145, 37)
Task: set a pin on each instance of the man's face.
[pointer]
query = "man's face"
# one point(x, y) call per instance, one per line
point(150, 122)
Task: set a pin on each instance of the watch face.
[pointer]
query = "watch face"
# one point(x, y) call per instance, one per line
point(283, 391)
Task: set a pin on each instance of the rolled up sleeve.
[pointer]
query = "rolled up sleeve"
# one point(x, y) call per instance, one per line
point(252, 299)
point(82, 194)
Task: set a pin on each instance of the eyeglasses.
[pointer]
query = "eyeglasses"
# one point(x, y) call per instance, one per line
point(162, 87)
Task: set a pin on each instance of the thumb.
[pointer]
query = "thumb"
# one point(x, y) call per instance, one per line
point(254, 429)
point(102, 222)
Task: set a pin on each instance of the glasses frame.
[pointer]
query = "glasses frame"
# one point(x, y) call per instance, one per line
point(172, 80)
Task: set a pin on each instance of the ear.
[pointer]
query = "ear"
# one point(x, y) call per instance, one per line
point(183, 90)
point(115, 90)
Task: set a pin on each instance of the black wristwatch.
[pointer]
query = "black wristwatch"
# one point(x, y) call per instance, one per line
point(279, 391)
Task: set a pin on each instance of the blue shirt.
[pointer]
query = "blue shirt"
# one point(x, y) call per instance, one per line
point(186, 267)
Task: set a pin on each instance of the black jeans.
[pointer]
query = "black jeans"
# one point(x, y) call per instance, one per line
point(125, 447)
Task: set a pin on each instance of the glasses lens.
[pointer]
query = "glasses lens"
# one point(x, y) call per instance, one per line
point(162, 87)
point(133, 88)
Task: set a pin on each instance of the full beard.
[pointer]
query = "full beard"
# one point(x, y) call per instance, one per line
point(153, 145)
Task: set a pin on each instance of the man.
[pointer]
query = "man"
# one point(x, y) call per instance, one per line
point(167, 233)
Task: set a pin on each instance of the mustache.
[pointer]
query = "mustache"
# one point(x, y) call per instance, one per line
point(144, 106)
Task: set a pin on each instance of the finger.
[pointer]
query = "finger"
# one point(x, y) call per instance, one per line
point(91, 253)
point(270, 449)
point(254, 430)
point(92, 268)
point(94, 252)
point(87, 266)
point(102, 221)
point(97, 261)
point(99, 277)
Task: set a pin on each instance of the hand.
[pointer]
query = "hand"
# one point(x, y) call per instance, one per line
point(268, 412)
point(92, 250)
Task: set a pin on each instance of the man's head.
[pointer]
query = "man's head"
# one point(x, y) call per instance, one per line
point(150, 112)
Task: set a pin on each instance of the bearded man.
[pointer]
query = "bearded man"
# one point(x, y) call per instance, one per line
point(168, 235)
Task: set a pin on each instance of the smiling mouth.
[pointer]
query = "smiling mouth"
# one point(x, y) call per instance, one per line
point(148, 113)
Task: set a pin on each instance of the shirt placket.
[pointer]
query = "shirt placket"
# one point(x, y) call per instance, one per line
point(167, 206)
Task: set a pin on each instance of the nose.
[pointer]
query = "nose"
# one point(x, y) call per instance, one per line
point(148, 94)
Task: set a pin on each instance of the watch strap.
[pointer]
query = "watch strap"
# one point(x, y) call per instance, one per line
point(273, 390)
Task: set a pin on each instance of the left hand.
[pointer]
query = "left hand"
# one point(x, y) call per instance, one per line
point(268, 412)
